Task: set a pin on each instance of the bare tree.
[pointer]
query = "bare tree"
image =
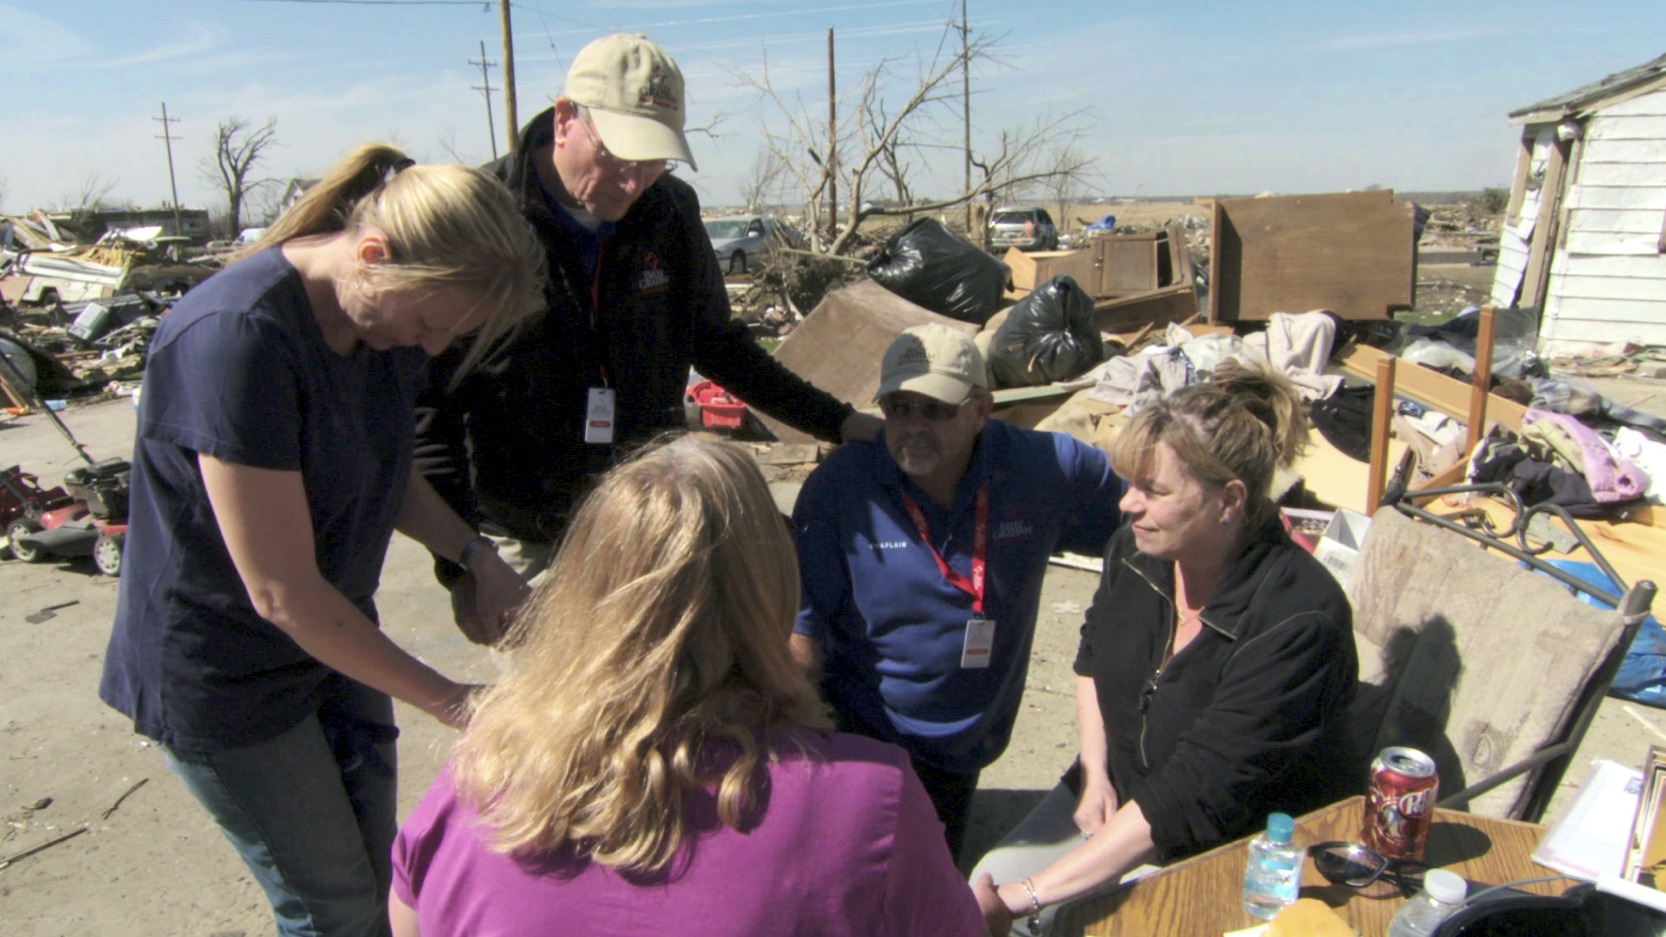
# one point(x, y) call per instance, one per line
point(885, 138)
point(1067, 161)
point(448, 145)
point(90, 192)
point(264, 204)
point(237, 148)
point(763, 183)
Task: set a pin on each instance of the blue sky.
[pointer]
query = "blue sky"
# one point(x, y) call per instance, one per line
point(1198, 97)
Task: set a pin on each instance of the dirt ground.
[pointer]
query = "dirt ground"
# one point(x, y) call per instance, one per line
point(156, 865)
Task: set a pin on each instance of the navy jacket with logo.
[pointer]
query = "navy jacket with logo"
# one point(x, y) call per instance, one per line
point(507, 445)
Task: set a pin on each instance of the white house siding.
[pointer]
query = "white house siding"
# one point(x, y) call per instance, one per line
point(1513, 241)
point(1608, 277)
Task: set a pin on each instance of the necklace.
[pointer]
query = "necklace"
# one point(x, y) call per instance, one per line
point(1183, 636)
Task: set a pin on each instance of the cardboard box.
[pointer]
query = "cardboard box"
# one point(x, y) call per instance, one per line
point(1339, 546)
point(1305, 526)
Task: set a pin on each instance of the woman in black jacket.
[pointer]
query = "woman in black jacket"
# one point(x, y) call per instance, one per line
point(1216, 664)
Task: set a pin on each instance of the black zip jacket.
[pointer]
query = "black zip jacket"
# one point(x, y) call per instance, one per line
point(507, 446)
point(1249, 718)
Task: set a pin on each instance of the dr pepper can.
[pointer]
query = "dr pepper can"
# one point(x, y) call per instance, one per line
point(1400, 803)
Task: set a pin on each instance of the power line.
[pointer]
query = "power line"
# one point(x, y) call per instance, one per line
point(485, 5)
point(485, 89)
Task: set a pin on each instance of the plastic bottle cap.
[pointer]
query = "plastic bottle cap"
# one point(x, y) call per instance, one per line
point(1445, 887)
point(1280, 827)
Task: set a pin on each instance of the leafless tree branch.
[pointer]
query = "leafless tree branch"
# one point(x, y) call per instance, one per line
point(883, 138)
point(237, 148)
point(90, 192)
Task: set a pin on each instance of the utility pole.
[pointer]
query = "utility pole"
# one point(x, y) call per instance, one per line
point(485, 89)
point(168, 140)
point(966, 111)
point(514, 123)
point(832, 143)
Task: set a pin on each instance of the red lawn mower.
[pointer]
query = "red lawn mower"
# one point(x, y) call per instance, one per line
point(86, 517)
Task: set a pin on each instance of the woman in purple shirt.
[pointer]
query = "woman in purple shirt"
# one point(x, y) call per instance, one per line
point(655, 762)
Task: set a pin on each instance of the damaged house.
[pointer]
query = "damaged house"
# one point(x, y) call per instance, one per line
point(1584, 236)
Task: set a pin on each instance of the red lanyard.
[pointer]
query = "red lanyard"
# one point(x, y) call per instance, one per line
point(596, 308)
point(980, 547)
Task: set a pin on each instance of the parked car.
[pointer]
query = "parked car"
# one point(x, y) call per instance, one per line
point(746, 242)
point(1028, 229)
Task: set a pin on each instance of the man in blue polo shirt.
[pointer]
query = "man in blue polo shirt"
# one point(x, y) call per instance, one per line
point(922, 555)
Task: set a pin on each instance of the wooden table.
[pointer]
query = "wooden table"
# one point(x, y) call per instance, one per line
point(1201, 896)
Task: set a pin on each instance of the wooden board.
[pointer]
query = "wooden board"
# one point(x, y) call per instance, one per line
point(1430, 388)
point(1129, 262)
point(1536, 280)
point(1180, 256)
point(1351, 253)
point(1030, 270)
point(839, 345)
point(1157, 307)
point(1336, 479)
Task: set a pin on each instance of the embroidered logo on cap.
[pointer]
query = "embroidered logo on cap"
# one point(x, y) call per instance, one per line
point(915, 355)
point(658, 91)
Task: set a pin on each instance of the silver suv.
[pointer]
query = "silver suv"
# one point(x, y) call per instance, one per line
point(1028, 229)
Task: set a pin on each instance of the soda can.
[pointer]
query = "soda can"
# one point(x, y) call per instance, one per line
point(1400, 803)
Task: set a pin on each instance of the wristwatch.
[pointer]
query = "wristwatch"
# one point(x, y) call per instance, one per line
point(481, 542)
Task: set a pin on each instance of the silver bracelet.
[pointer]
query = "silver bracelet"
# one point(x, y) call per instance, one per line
point(481, 542)
point(1033, 921)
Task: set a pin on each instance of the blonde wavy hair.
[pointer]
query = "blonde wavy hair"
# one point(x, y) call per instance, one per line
point(661, 629)
point(446, 226)
point(1242, 427)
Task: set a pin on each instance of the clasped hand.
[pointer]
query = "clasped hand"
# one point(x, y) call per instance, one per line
point(485, 600)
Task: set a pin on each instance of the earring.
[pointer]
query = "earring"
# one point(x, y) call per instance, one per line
point(1226, 519)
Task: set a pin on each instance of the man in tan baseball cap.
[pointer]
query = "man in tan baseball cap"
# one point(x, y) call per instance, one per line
point(635, 300)
point(921, 558)
point(634, 95)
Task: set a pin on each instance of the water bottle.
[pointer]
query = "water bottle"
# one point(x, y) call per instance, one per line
point(1273, 877)
point(1442, 895)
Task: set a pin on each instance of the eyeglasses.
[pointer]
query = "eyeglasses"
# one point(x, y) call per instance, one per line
point(1356, 866)
point(646, 168)
point(907, 408)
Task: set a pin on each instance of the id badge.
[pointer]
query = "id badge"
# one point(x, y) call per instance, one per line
point(598, 416)
point(980, 642)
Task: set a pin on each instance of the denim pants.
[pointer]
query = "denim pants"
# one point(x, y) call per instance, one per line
point(312, 813)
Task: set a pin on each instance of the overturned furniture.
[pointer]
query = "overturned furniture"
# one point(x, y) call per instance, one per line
point(1354, 253)
point(839, 345)
point(1493, 670)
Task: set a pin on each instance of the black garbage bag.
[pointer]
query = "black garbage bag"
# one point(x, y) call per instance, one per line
point(931, 266)
point(1050, 335)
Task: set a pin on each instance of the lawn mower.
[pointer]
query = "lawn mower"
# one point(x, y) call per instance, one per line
point(85, 517)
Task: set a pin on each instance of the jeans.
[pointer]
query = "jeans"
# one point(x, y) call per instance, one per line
point(312, 813)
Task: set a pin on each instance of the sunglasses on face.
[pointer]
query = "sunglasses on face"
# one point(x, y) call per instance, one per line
point(648, 168)
point(1356, 866)
point(932, 411)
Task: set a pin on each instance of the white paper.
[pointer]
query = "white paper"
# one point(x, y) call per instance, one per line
point(1590, 841)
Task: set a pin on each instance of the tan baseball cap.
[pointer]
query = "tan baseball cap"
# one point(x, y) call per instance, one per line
point(935, 360)
point(634, 92)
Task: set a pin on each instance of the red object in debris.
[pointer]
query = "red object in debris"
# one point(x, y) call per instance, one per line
point(718, 408)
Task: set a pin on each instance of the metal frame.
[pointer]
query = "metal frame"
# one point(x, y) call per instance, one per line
point(1546, 765)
